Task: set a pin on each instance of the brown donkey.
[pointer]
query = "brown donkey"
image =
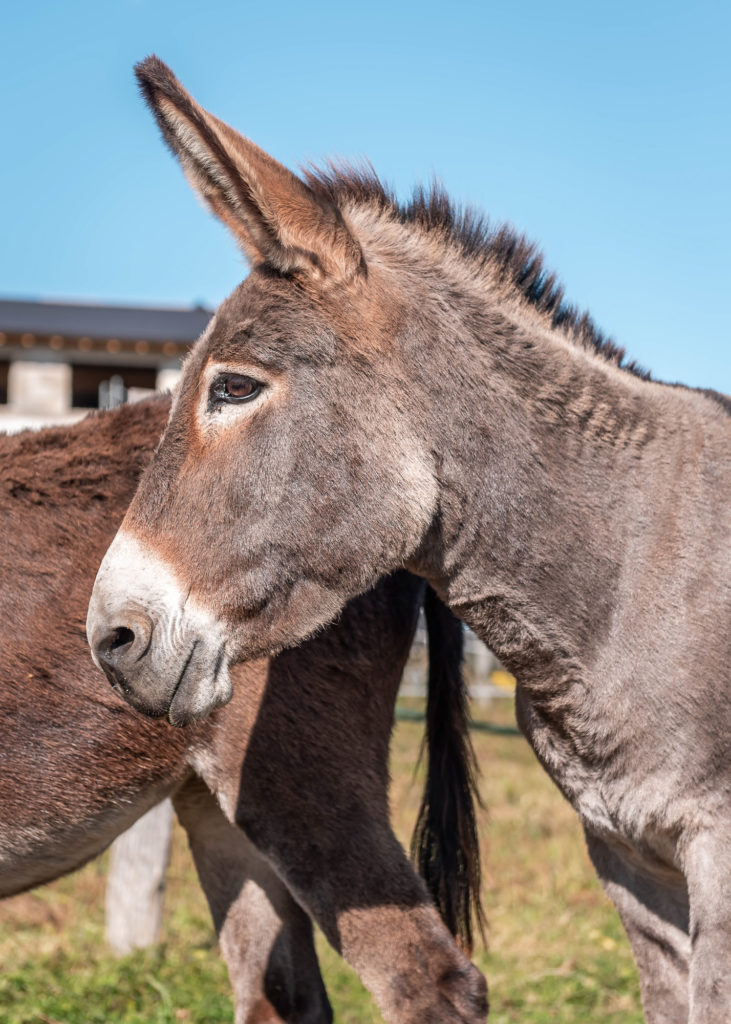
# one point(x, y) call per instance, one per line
point(77, 765)
point(399, 386)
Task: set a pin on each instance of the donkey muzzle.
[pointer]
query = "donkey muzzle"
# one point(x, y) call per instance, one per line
point(160, 650)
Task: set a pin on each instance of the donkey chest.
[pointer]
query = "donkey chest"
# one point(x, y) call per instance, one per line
point(618, 790)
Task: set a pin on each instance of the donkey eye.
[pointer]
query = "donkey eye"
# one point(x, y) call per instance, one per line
point(234, 388)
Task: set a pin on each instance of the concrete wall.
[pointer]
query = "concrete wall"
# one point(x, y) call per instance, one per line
point(39, 392)
point(43, 388)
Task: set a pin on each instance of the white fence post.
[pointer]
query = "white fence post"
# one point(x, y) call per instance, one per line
point(136, 881)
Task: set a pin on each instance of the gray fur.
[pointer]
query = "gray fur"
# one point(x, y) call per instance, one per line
point(436, 406)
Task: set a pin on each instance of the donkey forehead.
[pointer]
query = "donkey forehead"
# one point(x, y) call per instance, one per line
point(275, 319)
point(272, 322)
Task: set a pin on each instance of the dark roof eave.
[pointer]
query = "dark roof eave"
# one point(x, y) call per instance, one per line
point(126, 323)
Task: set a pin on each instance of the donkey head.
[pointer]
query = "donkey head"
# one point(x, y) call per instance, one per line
point(291, 474)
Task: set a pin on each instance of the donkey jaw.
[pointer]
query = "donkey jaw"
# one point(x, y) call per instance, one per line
point(161, 651)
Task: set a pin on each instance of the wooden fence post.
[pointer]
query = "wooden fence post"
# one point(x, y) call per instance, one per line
point(136, 881)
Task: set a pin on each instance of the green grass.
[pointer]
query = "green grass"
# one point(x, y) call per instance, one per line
point(557, 950)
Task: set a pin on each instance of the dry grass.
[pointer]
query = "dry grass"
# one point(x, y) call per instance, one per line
point(557, 950)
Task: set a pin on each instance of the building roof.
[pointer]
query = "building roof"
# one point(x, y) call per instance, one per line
point(128, 323)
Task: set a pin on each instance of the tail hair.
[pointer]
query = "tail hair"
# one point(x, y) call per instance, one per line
point(445, 843)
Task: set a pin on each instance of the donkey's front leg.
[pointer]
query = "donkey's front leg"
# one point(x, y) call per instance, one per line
point(411, 965)
point(358, 885)
point(655, 917)
point(708, 870)
point(266, 938)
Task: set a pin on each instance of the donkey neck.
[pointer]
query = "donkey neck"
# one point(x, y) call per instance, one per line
point(555, 469)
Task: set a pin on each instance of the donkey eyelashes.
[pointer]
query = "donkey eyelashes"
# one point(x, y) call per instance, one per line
point(233, 389)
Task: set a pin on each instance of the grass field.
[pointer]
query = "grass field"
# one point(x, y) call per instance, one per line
point(557, 950)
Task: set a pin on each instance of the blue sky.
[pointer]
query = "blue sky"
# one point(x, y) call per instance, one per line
point(600, 130)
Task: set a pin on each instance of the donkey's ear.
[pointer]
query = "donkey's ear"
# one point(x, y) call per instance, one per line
point(276, 218)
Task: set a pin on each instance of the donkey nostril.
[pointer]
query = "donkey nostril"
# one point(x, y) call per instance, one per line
point(119, 649)
point(113, 649)
point(120, 638)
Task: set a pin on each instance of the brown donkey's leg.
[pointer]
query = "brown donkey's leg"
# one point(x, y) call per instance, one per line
point(266, 938)
point(655, 918)
point(394, 938)
point(311, 790)
point(352, 875)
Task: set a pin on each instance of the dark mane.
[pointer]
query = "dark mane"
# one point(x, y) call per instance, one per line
point(514, 259)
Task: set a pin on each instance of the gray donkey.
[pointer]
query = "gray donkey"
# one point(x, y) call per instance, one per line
point(401, 386)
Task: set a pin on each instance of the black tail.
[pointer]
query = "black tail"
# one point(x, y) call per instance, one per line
point(445, 843)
